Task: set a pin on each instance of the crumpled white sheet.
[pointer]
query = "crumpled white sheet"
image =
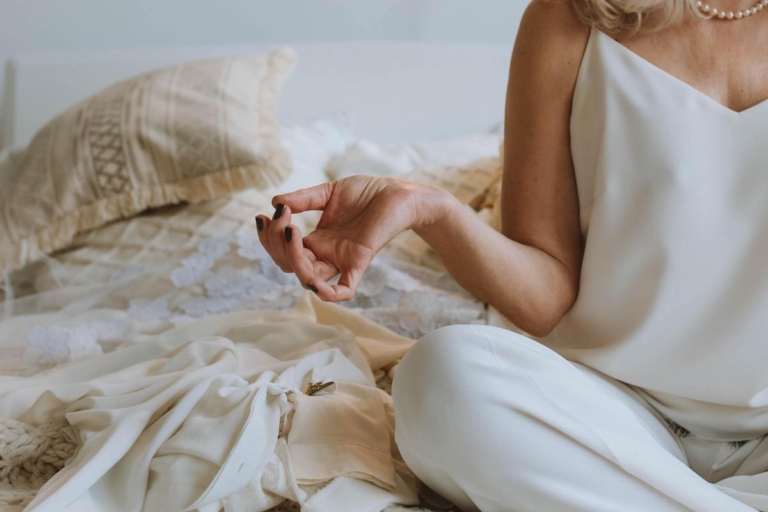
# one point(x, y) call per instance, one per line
point(211, 416)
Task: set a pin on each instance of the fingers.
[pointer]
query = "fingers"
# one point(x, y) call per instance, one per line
point(262, 227)
point(303, 261)
point(344, 290)
point(285, 244)
point(313, 198)
point(300, 259)
point(276, 236)
point(272, 236)
point(283, 241)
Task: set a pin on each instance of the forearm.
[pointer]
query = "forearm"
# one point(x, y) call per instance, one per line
point(528, 286)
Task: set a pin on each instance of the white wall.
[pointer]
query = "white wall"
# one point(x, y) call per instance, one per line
point(65, 25)
point(44, 26)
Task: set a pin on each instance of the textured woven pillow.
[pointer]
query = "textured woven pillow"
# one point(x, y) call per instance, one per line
point(190, 132)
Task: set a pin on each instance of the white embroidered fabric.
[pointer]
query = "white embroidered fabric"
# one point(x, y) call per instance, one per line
point(234, 273)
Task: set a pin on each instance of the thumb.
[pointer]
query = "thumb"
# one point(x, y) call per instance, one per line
point(305, 199)
point(344, 290)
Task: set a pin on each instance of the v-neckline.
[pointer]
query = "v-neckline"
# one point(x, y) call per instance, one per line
point(679, 81)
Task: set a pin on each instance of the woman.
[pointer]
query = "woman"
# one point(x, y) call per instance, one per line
point(635, 232)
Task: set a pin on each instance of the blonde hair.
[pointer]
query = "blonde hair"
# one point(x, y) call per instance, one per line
point(633, 16)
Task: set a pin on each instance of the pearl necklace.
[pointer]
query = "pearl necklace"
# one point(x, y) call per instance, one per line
point(730, 15)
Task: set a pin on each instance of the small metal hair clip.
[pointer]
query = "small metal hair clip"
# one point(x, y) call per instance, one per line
point(314, 387)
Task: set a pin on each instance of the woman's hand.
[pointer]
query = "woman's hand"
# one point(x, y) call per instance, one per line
point(361, 214)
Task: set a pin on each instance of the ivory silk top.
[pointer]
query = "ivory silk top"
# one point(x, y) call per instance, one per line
point(673, 191)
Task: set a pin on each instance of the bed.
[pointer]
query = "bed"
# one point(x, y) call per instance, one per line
point(185, 290)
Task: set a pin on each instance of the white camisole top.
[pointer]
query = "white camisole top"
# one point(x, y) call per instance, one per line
point(673, 191)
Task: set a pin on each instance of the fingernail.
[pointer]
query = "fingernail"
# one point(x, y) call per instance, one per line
point(312, 287)
point(288, 234)
point(259, 223)
point(278, 211)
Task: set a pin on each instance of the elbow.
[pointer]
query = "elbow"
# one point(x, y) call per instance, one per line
point(540, 328)
point(542, 320)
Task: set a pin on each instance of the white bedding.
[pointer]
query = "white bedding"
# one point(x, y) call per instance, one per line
point(139, 416)
point(171, 328)
point(139, 331)
point(105, 342)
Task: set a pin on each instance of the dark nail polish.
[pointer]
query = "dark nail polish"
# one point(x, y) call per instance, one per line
point(312, 287)
point(288, 234)
point(278, 211)
point(259, 223)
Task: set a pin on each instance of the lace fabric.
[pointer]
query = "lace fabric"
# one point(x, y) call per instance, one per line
point(234, 273)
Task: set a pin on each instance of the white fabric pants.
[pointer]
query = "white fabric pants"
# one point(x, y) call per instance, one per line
point(494, 421)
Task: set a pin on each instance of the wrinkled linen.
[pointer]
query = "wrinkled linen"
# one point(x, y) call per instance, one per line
point(210, 415)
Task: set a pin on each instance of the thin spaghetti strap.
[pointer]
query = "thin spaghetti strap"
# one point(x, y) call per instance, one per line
point(577, 91)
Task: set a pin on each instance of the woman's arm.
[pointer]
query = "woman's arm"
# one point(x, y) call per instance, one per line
point(531, 272)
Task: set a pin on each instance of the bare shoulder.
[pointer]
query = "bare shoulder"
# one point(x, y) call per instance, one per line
point(550, 45)
point(553, 17)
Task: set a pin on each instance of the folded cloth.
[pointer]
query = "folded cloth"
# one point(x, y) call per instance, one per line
point(212, 415)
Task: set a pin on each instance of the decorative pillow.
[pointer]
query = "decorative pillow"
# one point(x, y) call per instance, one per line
point(190, 132)
point(473, 184)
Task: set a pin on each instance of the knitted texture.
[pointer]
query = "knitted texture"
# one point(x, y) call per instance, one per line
point(29, 457)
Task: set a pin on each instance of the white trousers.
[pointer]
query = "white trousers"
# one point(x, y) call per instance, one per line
point(494, 421)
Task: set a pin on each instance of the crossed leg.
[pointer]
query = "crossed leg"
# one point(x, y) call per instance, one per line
point(495, 421)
